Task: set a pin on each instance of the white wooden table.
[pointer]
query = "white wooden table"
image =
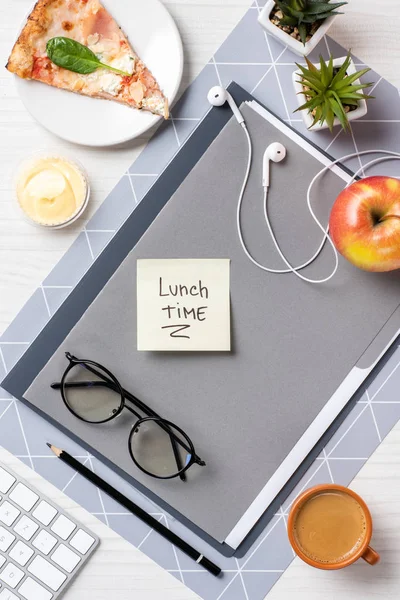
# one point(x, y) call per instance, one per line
point(371, 30)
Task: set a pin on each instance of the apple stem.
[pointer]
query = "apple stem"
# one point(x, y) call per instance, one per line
point(389, 217)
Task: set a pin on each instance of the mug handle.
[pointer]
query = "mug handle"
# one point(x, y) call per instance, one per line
point(370, 556)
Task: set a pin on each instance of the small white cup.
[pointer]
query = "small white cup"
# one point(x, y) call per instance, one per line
point(24, 165)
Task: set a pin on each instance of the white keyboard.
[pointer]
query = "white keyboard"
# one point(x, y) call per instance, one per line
point(41, 547)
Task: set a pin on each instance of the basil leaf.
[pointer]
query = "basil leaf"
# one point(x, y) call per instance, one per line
point(73, 56)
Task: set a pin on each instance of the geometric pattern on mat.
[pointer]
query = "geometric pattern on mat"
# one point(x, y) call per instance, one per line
point(263, 67)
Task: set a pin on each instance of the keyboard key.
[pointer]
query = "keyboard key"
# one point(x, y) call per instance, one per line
point(21, 553)
point(44, 541)
point(44, 513)
point(82, 541)
point(63, 527)
point(6, 481)
point(2, 560)
point(31, 590)
point(7, 595)
point(6, 539)
point(65, 558)
point(46, 573)
point(24, 497)
point(26, 527)
point(12, 575)
point(8, 513)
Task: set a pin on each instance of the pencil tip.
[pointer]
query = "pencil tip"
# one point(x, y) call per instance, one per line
point(56, 451)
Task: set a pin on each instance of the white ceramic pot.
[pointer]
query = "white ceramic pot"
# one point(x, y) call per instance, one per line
point(286, 39)
point(360, 111)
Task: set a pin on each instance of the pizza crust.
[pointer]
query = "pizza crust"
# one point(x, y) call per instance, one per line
point(21, 58)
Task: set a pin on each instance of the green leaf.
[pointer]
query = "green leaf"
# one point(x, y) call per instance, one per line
point(313, 88)
point(323, 112)
point(319, 115)
point(322, 7)
point(73, 56)
point(311, 66)
point(302, 27)
point(292, 6)
point(329, 116)
point(330, 68)
point(307, 73)
point(311, 19)
point(359, 96)
point(324, 72)
point(354, 88)
point(310, 104)
point(351, 78)
point(315, 85)
point(342, 71)
point(287, 10)
point(336, 100)
point(288, 21)
point(313, 78)
point(327, 2)
point(308, 95)
point(299, 4)
point(339, 112)
point(314, 18)
point(349, 101)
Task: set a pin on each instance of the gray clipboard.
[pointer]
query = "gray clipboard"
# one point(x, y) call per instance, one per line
point(280, 367)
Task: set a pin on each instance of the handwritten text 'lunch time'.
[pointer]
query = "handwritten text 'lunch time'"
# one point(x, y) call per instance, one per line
point(176, 312)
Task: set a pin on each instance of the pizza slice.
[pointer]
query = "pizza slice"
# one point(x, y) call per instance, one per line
point(90, 24)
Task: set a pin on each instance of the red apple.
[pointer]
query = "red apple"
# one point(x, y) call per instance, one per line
point(365, 223)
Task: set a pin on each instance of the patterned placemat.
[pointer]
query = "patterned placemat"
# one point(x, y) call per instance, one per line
point(263, 67)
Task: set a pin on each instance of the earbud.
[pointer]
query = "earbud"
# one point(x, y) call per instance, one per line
point(275, 152)
point(217, 96)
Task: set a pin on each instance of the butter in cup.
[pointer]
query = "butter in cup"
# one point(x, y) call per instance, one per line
point(52, 191)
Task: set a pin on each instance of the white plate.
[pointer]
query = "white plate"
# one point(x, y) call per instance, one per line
point(94, 122)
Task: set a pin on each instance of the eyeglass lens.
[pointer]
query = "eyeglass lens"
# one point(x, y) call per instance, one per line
point(152, 449)
point(89, 396)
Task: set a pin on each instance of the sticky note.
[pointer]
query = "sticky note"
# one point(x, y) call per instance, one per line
point(183, 305)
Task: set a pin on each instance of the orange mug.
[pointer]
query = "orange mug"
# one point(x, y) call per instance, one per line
point(324, 516)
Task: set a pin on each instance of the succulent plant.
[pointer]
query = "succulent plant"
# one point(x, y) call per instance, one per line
point(329, 91)
point(303, 13)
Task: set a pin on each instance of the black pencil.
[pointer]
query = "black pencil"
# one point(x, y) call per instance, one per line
point(137, 511)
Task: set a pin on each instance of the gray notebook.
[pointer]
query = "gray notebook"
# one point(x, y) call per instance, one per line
point(254, 413)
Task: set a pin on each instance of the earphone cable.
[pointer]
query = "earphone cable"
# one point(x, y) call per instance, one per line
point(389, 155)
point(240, 233)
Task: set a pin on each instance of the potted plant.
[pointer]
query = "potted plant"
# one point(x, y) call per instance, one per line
point(332, 92)
point(300, 24)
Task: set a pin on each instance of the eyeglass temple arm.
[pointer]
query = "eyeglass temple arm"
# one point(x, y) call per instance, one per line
point(139, 404)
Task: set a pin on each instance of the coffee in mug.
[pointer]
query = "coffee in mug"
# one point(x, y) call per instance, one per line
point(330, 527)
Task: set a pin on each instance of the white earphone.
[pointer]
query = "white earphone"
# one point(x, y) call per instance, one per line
point(276, 152)
point(218, 96)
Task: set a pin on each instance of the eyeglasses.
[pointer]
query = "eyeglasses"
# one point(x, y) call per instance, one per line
point(158, 447)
